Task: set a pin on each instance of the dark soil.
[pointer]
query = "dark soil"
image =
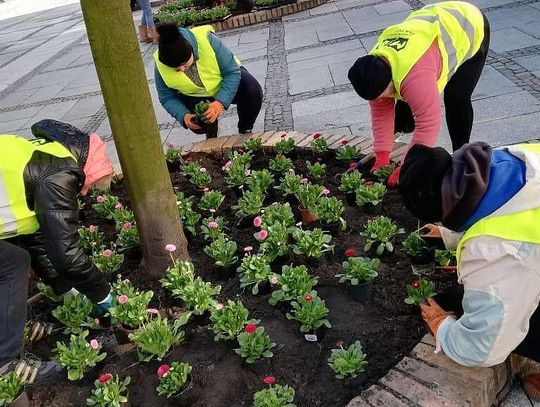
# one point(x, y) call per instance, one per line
point(387, 328)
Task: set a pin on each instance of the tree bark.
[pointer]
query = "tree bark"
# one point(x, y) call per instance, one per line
point(123, 82)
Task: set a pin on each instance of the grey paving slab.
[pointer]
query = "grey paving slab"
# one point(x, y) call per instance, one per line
point(508, 39)
point(254, 36)
point(45, 93)
point(325, 8)
point(493, 83)
point(84, 108)
point(53, 111)
point(258, 69)
point(251, 50)
point(340, 70)
point(19, 114)
point(536, 5)
point(345, 58)
point(11, 127)
point(314, 77)
point(6, 58)
point(333, 32)
point(296, 16)
point(15, 98)
point(321, 104)
point(332, 51)
point(512, 17)
point(363, 25)
point(331, 119)
point(532, 63)
point(298, 38)
point(391, 7)
point(79, 91)
point(369, 42)
point(531, 29)
point(504, 106)
point(344, 4)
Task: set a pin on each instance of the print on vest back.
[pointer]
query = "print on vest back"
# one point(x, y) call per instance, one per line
point(396, 38)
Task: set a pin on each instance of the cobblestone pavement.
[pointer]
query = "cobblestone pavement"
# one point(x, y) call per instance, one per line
point(46, 71)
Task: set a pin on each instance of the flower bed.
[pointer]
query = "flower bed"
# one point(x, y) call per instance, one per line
point(380, 330)
point(191, 12)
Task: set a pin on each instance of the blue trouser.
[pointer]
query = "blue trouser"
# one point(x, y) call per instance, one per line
point(147, 18)
point(14, 265)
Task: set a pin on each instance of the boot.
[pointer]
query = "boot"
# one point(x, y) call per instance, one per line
point(531, 385)
point(153, 35)
point(143, 34)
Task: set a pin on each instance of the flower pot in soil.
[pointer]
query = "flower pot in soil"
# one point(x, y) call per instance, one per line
point(316, 335)
point(21, 401)
point(260, 367)
point(183, 394)
point(284, 306)
point(225, 273)
point(122, 333)
point(372, 210)
point(307, 216)
point(291, 199)
point(356, 381)
point(423, 264)
point(109, 344)
point(362, 292)
point(203, 319)
point(238, 192)
point(333, 228)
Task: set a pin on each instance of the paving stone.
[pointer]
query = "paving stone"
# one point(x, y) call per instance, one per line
point(511, 17)
point(258, 69)
point(254, 36)
point(363, 24)
point(14, 99)
point(325, 8)
point(84, 108)
point(359, 402)
point(506, 131)
point(19, 114)
point(251, 50)
point(340, 70)
point(52, 111)
point(493, 83)
point(497, 107)
point(323, 103)
point(391, 7)
point(327, 54)
point(333, 32)
point(309, 79)
point(532, 63)
point(331, 119)
point(369, 42)
point(12, 126)
point(507, 39)
point(297, 38)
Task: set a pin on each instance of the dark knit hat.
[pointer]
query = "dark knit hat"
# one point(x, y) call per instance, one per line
point(420, 181)
point(370, 76)
point(174, 49)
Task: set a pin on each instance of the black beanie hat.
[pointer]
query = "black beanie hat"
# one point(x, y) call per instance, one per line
point(420, 181)
point(370, 76)
point(174, 49)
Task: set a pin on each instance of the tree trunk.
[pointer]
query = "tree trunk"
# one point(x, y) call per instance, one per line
point(122, 78)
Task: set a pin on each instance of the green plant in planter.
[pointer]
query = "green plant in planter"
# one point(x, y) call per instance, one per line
point(223, 251)
point(308, 195)
point(290, 184)
point(173, 379)
point(129, 236)
point(229, 320)
point(273, 241)
point(420, 291)
point(190, 168)
point(108, 261)
point(254, 269)
point(293, 282)
point(109, 391)
point(260, 181)
point(444, 257)
point(383, 173)
point(105, 205)
point(310, 311)
point(173, 154)
point(131, 311)
point(91, 237)
point(348, 362)
point(236, 175)
point(380, 231)
point(277, 213)
point(201, 179)
point(329, 210)
point(123, 287)
point(48, 292)
point(155, 337)
point(359, 270)
point(280, 163)
point(212, 228)
point(200, 109)
point(319, 146)
point(183, 201)
point(370, 194)
point(249, 204)
point(254, 344)
point(351, 181)
point(311, 243)
point(414, 245)
point(199, 296)
point(11, 386)
point(316, 170)
point(347, 153)
point(79, 355)
point(242, 158)
point(189, 218)
point(275, 395)
point(75, 313)
point(284, 146)
point(122, 216)
point(178, 276)
point(211, 200)
point(253, 145)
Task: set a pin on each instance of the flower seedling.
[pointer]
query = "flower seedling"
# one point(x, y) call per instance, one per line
point(129, 236)
point(229, 320)
point(319, 146)
point(274, 241)
point(293, 282)
point(173, 379)
point(199, 295)
point(280, 164)
point(253, 145)
point(316, 170)
point(420, 291)
point(260, 181)
point(415, 246)
point(347, 153)
point(74, 313)
point(172, 154)
point(241, 157)
point(200, 109)
point(155, 337)
point(350, 182)
point(223, 251)
point(122, 216)
point(211, 200)
point(249, 204)
point(380, 231)
point(108, 261)
point(284, 146)
point(308, 195)
point(383, 173)
point(189, 218)
point(254, 270)
point(212, 228)
point(275, 395)
point(444, 257)
point(277, 213)
point(109, 391)
point(91, 237)
point(201, 179)
point(131, 311)
point(370, 194)
point(105, 205)
point(310, 310)
point(178, 276)
point(11, 386)
point(48, 292)
point(79, 355)
point(290, 184)
point(236, 175)
point(329, 211)
point(311, 243)
point(348, 362)
point(359, 270)
point(190, 168)
point(254, 344)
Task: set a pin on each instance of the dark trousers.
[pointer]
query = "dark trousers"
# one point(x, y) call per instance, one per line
point(248, 100)
point(457, 98)
point(14, 265)
point(530, 346)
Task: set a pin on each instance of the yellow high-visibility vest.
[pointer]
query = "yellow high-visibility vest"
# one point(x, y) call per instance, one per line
point(457, 26)
point(207, 67)
point(16, 218)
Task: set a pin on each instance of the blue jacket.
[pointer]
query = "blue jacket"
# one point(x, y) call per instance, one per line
point(230, 71)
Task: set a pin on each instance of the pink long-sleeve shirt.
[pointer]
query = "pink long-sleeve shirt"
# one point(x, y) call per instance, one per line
point(419, 90)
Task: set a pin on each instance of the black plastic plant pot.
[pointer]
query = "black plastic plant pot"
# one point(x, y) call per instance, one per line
point(20, 401)
point(109, 344)
point(284, 306)
point(264, 288)
point(203, 319)
point(350, 198)
point(428, 256)
point(355, 382)
point(260, 368)
point(362, 292)
point(226, 273)
point(372, 210)
point(122, 334)
point(279, 262)
point(316, 335)
point(183, 393)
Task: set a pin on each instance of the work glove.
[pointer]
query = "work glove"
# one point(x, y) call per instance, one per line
point(188, 117)
point(433, 315)
point(103, 307)
point(393, 179)
point(382, 159)
point(212, 113)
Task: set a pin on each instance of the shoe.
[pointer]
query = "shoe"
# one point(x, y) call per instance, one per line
point(245, 131)
point(33, 372)
point(143, 35)
point(153, 35)
point(531, 385)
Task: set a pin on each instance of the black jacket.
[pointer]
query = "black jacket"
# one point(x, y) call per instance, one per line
point(52, 188)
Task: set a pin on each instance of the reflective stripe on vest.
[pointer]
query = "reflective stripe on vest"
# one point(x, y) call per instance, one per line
point(521, 226)
point(207, 67)
point(457, 26)
point(15, 216)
